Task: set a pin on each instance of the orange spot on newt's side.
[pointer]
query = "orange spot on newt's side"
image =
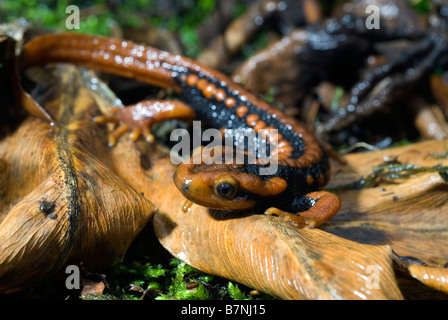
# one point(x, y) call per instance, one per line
point(201, 84)
point(259, 125)
point(241, 111)
point(192, 79)
point(220, 94)
point(209, 90)
point(252, 119)
point(230, 102)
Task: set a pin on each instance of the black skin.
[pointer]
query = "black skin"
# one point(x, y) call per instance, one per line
point(292, 199)
point(339, 46)
point(221, 117)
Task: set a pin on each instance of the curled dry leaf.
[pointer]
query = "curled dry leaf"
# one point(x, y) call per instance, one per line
point(266, 253)
point(61, 202)
point(92, 287)
point(433, 277)
point(409, 215)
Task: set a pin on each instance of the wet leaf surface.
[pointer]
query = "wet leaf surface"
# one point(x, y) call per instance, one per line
point(409, 215)
point(61, 201)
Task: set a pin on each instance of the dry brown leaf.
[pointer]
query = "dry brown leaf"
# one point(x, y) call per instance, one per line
point(92, 287)
point(410, 215)
point(61, 202)
point(265, 253)
point(433, 277)
point(398, 211)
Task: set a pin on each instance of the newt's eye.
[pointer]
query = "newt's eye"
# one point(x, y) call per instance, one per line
point(225, 190)
point(226, 187)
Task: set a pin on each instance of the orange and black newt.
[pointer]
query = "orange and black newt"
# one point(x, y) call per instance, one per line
point(212, 97)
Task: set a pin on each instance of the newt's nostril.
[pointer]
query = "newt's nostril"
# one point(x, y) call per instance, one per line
point(185, 187)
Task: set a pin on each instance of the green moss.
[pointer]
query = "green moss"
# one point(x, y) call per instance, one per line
point(423, 6)
point(99, 18)
point(176, 281)
point(181, 275)
point(235, 292)
point(52, 14)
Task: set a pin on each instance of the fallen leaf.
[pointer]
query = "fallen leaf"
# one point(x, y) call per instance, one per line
point(92, 287)
point(410, 215)
point(266, 253)
point(433, 277)
point(61, 201)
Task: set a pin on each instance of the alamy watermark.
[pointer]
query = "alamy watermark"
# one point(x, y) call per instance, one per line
point(373, 280)
point(73, 281)
point(72, 21)
point(230, 146)
point(373, 20)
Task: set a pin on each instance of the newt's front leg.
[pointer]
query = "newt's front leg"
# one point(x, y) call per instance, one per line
point(139, 118)
point(324, 205)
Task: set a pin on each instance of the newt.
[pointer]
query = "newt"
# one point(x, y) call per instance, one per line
point(210, 96)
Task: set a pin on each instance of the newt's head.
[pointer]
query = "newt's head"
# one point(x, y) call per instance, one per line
point(222, 186)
